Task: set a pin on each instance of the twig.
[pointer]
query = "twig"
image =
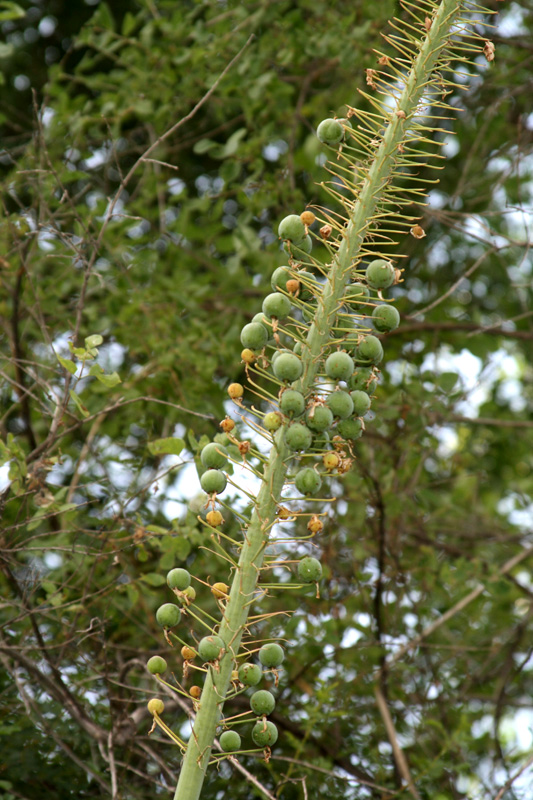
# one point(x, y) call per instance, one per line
point(401, 761)
point(512, 779)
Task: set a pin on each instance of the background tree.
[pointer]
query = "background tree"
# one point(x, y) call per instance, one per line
point(420, 640)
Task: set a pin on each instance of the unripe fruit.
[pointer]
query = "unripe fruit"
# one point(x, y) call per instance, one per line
point(292, 228)
point(271, 655)
point(214, 456)
point(341, 404)
point(287, 367)
point(156, 706)
point(350, 428)
point(178, 579)
point(331, 460)
point(292, 403)
point(279, 279)
point(277, 353)
point(306, 277)
point(211, 648)
point(339, 366)
point(235, 391)
point(195, 692)
point(318, 418)
point(214, 518)
point(380, 274)
point(385, 318)
point(188, 653)
point(213, 481)
point(248, 356)
point(370, 349)
point(157, 665)
point(315, 525)
point(277, 305)
point(355, 292)
point(168, 615)
point(309, 569)
point(307, 481)
point(361, 402)
point(230, 741)
point(298, 437)
point(254, 335)
point(262, 702)
point(250, 674)
point(219, 590)
point(307, 217)
point(187, 596)
point(330, 131)
point(306, 245)
point(264, 733)
point(272, 421)
point(363, 378)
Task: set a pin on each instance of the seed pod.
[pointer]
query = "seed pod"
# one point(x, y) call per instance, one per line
point(315, 525)
point(178, 579)
point(292, 228)
point(220, 590)
point(361, 402)
point(188, 653)
point(330, 131)
point(291, 247)
point(341, 404)
point(187, 596)
point(156, 665)
point(214, 518)
point(293, 286)
point(380, 274)
point(213, 481)
point(309, 569)
point(211, 648)
point(235, 391)
point(195, 691)
point(356, 292)
point(214, 456)
point(277, 305)
point(254, 335)
point(248, 356)
point(307, 481)
point(156, 706)
point(298, 437)
point(363, 378)
point(385, 318)
point(292, 403)
point(331, 460)
point(262, 702)
point(264, 733)
point(250, 674)
point(279, 279)
point(287, 367)
point(370, 350)
point(307, 217)
point(168, 615)
point(350, 428)
point(319, 418)
point(227, 425)
point(230, 741)
point(272, 421)
point(271, 655)
point(339, 366)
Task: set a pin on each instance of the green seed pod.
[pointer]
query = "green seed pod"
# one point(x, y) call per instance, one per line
point(287, 367)
point(363, 378)
point(214, 455)
point(188, 596)
point(341, 404)
point(350, 428)
point(292, 403)
point(260, 317)
point(298, 437)
point(321, 441)
point(250, 674)
point(178, 579)
point(262, 703)
point(319, 418)
point(361, 402)
point(356, 292)
point(293, 248)
point(339, 366)
point(168, 615)
point(380, 274)
point(157, 665)
point(272, 421)
point(292, 228)
point(370, 350)
point(307, 481)
point(298, 348)
point(271, 655)
point(309, 569)
point(385, 318)
point(211, 648)
point(309, 312)
point(279, 279)
point(308, 277)
point(276, 354)
point(254, 335)
point(264, 733)
point(230, 741)
point(277, 305)
point(330, 131)
point(213, 481)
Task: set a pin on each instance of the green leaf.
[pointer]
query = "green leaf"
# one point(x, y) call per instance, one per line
point(153, 579)
point(12, 11)
point(170, 445)
point(69, 365)
point(79, 405)
point(111, 379)
point(447, 380)
point(93, 341)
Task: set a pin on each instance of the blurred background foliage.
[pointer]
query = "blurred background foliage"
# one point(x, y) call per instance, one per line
point(436, 514)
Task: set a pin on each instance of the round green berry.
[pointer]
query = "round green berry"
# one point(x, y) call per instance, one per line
point(178, 579)
point(306, 278)
point(230, 741)
point(250, 674)
point(214, 455)
point(292, 403)
point(271, 655)
point(369, 349)
point(356, 292)
point(298, 437)
point(363, 378)
point(292, 228)
point(187, 596)
point(385, 318)
point(287, 367)
point(211, 648)
point(307, 481)
point(319, 418)
point(262, 702)
point(213, 481)
point(340, 404)
point(277, 305)
point(168, 615)
point(291, 247)
point(272, 421)
point(339, 366)
point(380, 274)
point(264, 733)
point(330, 131)
point(361, 402)
point(309, 569)
point(157, 665)
point(350, 428)
point(279, 279)
point(254, 335)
